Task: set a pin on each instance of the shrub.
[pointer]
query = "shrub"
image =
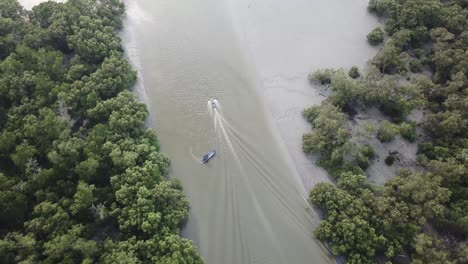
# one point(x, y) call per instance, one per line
point(311, 113)
point(376, 36)
point(329, 132)
point(354, 72)
point(387, 132)
point(408, 131)
point(389, 160)
point(345, 90)
point(415, 65)
point(362, 161)
point(419, 53)
point(322, 76)
point(368, 151)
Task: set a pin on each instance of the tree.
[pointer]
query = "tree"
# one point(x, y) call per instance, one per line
point(346, 226)
point(376, 36)
point(422, 193)
point(70, 247)
point(387, 131)
point(15, 247)
point(390, 59)
point(177, 250)
point(415, 65)
point(429, 250)
point(49, 219)
point(345, 90)
point(14, 204)
point(390, 95)
point(81, 178)
point(364, 220)
point(83, 199)
point(322, 76)
point(11, 9)
point(354, 72)
point(445, 125)
point(408, 131)
point(92, 40)
point(329, 131)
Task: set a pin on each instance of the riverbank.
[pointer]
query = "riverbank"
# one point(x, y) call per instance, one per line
point(285, 41)
point(94, 185)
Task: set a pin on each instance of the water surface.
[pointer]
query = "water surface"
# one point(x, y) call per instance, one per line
point(247, 204)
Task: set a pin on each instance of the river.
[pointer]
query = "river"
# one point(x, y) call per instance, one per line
point(248, 204)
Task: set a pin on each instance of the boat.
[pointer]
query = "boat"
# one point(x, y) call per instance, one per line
point(213, 103)
point(208, 156)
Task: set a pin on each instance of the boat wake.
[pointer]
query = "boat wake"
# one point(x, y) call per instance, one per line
point(245, 154)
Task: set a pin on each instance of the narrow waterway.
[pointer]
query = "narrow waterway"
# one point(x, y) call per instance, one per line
point(247, 206)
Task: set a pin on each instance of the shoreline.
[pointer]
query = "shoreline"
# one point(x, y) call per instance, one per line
point(283, 89)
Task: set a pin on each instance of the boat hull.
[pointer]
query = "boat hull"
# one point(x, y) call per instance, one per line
point(208, 156)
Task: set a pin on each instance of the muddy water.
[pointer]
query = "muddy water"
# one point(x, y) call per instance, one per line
point(247, 206)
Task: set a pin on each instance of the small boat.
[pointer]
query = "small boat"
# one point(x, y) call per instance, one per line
point(208, 156)
point(213, 103)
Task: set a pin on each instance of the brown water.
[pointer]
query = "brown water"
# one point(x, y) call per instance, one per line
point(248, 203)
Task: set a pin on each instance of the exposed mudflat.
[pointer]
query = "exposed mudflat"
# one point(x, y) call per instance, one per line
point(285, 41)
point(403, 150)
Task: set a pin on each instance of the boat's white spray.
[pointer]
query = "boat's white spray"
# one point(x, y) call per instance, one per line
point(225, 132)
point(233, 137)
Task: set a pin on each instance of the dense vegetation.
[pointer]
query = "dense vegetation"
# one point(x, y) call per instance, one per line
point(422, 213)
point(81, 178)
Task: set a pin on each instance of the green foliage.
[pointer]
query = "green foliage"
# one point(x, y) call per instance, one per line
point(387, 131)
point(346, 226)
point(376, 36)
point(390, 59)
point(352, 182)
point(92, 40)
point(11, 9)
point(81, 178)
point(167, 248)
point(345, 90)
point(389, 219)
point(415, 65)
point(354, 72)
point(408, 131)
point(389, 160)
point(429, 250)
point(329, 133)
point(368, 151)
point(322, 76)
point(422, 193)
point(82, 199)
point(392, 97)
point(363, 223)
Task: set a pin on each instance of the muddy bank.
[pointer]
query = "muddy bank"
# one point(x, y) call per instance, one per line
point(286, 40)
